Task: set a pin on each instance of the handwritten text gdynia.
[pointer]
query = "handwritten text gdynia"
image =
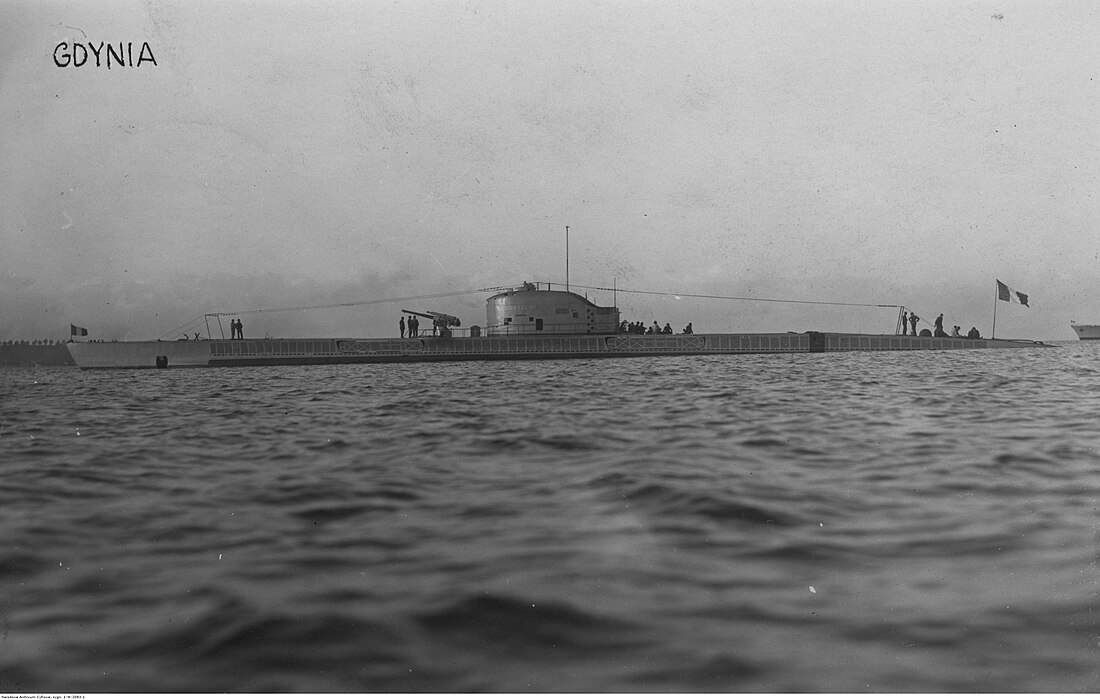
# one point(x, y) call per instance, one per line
point(104, 54)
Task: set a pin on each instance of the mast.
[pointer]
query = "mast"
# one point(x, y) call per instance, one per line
point(567, 258)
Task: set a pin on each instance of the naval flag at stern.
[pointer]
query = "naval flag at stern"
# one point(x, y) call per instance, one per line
point(1006, 293)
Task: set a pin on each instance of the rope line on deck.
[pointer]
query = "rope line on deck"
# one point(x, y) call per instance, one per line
point(732, 298)
point(348, 303)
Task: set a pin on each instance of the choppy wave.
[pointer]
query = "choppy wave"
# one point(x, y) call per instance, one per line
point(885, 522)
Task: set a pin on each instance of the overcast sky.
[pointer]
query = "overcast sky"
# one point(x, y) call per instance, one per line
point(284, 154)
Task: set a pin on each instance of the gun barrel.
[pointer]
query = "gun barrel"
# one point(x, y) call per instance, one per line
point(437, 318)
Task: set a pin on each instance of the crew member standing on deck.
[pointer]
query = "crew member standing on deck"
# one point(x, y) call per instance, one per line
point(913, 318)
point(939, 327)
point(904, 323)
point(401, 323)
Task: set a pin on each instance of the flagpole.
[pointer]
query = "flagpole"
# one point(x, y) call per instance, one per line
point(996, 297)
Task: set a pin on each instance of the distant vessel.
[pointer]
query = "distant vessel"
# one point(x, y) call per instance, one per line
point(522, 323)
point(1085, 332)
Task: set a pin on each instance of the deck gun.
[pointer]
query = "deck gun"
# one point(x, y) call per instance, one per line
point(440, 322)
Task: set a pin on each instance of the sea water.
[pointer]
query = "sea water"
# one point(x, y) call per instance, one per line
point(884, 522)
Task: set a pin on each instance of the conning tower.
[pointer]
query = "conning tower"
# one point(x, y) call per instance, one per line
point(530, 310)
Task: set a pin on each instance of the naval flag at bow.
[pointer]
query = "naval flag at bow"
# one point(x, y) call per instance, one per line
point(1006, 293)
point(77, 330)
